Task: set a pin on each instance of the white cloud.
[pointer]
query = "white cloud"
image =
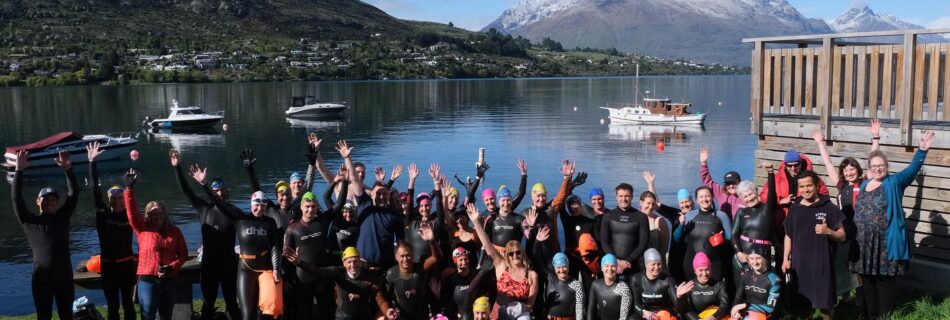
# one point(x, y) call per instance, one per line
point(942, 22)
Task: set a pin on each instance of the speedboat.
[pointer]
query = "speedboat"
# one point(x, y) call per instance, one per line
point(654, 111)
point(309, 106)
point(188, 117)
point(43, 152)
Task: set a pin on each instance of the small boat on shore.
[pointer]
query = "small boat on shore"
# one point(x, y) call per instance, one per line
point(42, 152)
point(309, 106)
point(189, 117)
point(654, 111)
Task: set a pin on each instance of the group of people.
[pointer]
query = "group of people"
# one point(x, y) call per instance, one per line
point(725, 250)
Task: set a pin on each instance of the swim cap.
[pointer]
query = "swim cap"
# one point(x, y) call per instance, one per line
point(481, 305)
point(308, 196)
point(350, 252)
point(651, 255)
point(595, 191)
point(423, 198)
point(560, 260)
point(348, 205)
point(700, 260)
point(281, 186)
point(48, 191)
point(296, 176)
point(258, 198)
point(608, 259)
point(116, 189)
point(488, 193)
point(217, 183)
point(453, 192)
point(458, 253)
point(683, 194)
point(504, 192)
point(586, 243)
point(538, 188)
point(792, 155)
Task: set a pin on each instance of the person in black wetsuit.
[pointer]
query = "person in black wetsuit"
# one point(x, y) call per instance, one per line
point(759, 289)
point(343, 233)
point(625, 232)
point(506, 226)
point(260, 245)
point(677, 215)
point(698, 230)
point(492, 202)
point(357, 291)
point(422, 214)
point(115, 242)
point(48, 235)
point(287, 208)
point(753, 224)
point(218, 261)
point(455, 283)
point(609, 297)
point(310, 235)
point(407, 280)
point(703, 298)
point(563, 296)
point(653, 292)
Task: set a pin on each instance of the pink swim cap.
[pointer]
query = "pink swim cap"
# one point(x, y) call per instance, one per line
point(488, 193)
point(700, 261)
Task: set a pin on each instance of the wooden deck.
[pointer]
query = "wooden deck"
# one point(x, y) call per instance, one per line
point(837, 87)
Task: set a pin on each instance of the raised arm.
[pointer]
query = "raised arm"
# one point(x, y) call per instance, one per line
point(906, 177)
point(825, 158)
point(200, 174)
point(523, 167)
point(356, 186)
point(92, 152)
point(707, 179)
point(875, 130)
point(22, 212)
point(72, 187)
point(472, 212)
point(427, 234)
point(175, 159)
point(651, 185)
point(315, 158)
point(131, 206)
point(248, 160)
point(567, 171)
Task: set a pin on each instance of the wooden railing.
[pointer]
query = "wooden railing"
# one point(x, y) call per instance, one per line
point(852, 79)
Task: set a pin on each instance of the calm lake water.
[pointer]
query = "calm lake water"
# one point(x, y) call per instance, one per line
point(389, 122)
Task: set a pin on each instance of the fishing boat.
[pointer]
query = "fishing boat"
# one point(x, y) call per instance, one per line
point(652, 110)
point(309, 106)
point(44, 151)
point(188, 117)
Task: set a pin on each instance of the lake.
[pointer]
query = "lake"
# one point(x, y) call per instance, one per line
point(540, 120)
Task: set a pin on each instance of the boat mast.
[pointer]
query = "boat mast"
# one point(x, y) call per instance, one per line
point(636, 98)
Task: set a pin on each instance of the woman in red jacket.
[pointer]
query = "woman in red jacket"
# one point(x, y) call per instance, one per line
point(162, 251)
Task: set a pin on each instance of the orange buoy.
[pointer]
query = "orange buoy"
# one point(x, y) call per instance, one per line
point(94, 264)
point(659, 146)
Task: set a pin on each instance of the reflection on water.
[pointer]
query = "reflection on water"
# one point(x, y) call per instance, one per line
point(387, 122)
point(655, 133)
point(184, 140)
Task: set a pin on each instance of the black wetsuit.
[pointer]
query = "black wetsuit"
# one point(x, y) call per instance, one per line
point(218, 261)
point(48, 236)
point(260, 246)
point(759, 291)
point(117, 259)
point(697, 229)
point(455, 289)
point(755, 226)
point(702, 297)
point(502, 229)
point(652, 295)
point(625, 234)
point(420, 248)
point(357, 298)
point(846, 197)
point(410, 292)
point(561, 298)
point(578, 223)
point(677, 248)
point(609, 302)
point(282, 216)
point(311, 239)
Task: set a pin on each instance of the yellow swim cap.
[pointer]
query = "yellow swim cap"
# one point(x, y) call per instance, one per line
point(481, 305)
point(281, 186)
point(453, 192)
point(350, 252)
point(538, 188)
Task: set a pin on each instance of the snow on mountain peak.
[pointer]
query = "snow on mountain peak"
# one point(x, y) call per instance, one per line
point(862, 18)
point(526, 12)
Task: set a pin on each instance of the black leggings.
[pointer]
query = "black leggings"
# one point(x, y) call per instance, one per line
point(118, 281)
point(248, 290)
point(880, 294)
point(219, 271)
point(50, 284)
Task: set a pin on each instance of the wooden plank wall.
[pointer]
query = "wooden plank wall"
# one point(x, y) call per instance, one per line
point(866, 81)
point(926, 205)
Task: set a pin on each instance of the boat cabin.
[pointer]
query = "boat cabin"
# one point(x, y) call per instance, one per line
point(301, 101)
point(184, 111)
point(665, 107)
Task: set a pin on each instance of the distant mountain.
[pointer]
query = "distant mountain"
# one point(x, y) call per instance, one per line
point(699, 30)
point(863, 19)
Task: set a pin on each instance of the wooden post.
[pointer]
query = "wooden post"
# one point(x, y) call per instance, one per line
point(904, 109)
point(758, 56)
point(825, 84)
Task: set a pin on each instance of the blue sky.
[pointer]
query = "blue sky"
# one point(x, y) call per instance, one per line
point(475, 14)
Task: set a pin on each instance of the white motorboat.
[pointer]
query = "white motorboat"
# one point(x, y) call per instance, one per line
point(309, 106)
point(43, 152)
point(654, 111)
point(188, 117)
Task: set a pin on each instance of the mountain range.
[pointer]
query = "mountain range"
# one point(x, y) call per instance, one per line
point(698, 30)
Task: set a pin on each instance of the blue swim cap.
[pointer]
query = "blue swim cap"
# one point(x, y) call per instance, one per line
point(596, 192)
point(295, 176)
point(683, 194)
point(560, 260)
point(217, 183)
point(608, 259)
point(503, 192)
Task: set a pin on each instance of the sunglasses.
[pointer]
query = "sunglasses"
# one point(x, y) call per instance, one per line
point(793, 165)
point(514, 253)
